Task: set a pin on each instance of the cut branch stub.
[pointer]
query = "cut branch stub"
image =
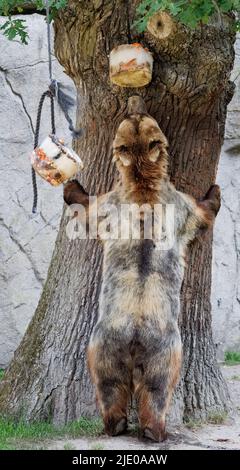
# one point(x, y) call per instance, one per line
point(136, 105)
point(161, 25)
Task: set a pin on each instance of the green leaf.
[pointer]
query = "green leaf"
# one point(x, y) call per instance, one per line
point(174, 8)
point(5, 25)
point(142, 7)
point(191, 13)
point(236, 5)
point(225, 5)
point(17, 28)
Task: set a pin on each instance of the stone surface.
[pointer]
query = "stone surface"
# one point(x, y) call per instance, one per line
point(226, 253)
point(27, 241)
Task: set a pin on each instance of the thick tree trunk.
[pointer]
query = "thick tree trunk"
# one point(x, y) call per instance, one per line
point(188, 96)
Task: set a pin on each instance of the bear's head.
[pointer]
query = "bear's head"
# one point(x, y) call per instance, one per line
point(140, 147)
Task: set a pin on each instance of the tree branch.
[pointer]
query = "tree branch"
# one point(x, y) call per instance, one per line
point(218, 12)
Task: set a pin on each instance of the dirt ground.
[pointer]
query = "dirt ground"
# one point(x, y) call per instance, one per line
point(210, 436)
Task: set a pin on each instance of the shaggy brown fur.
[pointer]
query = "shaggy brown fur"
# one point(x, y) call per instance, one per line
point(135, 347)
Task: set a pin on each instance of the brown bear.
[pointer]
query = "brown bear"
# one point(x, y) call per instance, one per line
point(135, 348)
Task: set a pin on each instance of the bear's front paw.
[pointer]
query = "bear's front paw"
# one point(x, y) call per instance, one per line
point(213, 197)
point(74, 193)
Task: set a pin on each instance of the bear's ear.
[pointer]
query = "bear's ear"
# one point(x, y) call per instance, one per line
point(154, 150)
point(121, 154)
point(126, 161)
point(158, 148)
point(154, 156)
point(164, 141)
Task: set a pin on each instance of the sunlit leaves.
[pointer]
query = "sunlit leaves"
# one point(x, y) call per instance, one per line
point(16, 28)
point(13, 28)
point(191, 13)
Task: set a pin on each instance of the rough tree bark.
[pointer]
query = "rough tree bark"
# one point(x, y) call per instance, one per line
point(188, 96)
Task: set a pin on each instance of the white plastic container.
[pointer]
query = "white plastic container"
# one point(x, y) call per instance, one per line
point(54, 162)
point(131, 65)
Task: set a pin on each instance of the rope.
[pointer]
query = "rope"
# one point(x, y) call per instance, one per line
point(52, 115)
point(64, 100)
point(36, 138)
point(50, 94)
point(49, 39)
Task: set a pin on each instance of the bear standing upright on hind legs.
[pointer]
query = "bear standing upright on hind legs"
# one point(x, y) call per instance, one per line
point(135, 347)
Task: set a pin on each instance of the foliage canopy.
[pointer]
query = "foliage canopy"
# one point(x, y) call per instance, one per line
point(190, 13)
point(15, 27)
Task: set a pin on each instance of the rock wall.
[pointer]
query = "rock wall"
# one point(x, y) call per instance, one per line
point(26, 241)
point(226, 253)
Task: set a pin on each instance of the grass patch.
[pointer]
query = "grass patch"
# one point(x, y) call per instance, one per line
point(22, 435)
point(213, 418)
point(84, 427)
point(217, 418)
point(191, 423)
point(235, 377)
point(68, 446)
point(1, 373)
point(97, 446)
point(232, 358)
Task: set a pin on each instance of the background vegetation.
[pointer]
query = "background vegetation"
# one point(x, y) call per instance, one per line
point(189, 13)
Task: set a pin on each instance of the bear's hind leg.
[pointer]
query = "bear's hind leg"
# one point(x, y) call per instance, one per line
point(112, 381)
point(154, 390)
